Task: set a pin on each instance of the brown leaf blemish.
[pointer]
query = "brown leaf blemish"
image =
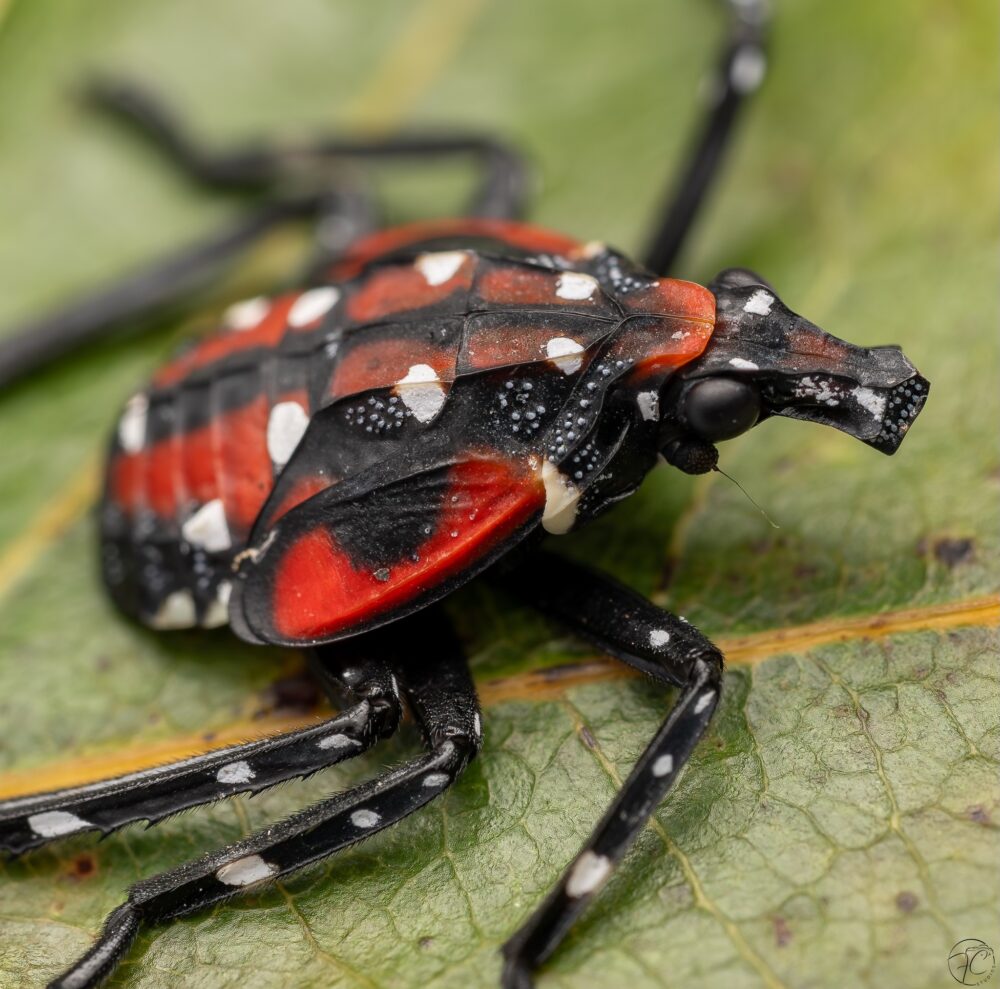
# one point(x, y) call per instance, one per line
point(82, 866)
point(782, 932)
point(906, 901)
point(952, 552)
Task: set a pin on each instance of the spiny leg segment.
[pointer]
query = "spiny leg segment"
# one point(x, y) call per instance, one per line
point(153, 794)
point(436, 684)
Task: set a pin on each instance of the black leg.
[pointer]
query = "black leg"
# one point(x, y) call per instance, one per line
point(739, 72)
point(153, 794)
point(151, 291)
point(627, 626)
point(263, 165)
point(439, 690)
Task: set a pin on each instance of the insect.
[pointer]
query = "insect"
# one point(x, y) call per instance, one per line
point(437, 400)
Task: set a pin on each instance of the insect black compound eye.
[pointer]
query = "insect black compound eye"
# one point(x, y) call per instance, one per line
point(721, 408)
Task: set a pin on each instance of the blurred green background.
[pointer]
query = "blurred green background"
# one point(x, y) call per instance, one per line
point(838, 826)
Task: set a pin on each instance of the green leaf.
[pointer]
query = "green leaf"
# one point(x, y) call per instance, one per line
point(838, 825)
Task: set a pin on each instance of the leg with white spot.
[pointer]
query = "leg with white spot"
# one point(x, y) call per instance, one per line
point(436, 684)
point(153, 794)
point(737, 75)
point(625, 625)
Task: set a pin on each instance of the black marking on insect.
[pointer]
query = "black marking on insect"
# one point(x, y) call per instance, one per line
point(334, 461)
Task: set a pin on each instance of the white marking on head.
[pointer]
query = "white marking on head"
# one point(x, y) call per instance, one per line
point(286, 425)
point(704, 701)
point(337, 741)
point(759, 303)
point(747, 70)
point(649, 404)
point(54, 823)
point(588, 874)
point(176, 611)
point(435, 780)
point(563, 352)
point(208, 527)
point(743, 365)
point(439, 266)
point(245, 871)
point(312, 305)
point(659, 637)
point(870, 400)
point(365, 818)
point(217, 613)
point(575, 285)
point(422, 392)
point(247, 314)
point(132, 425)
point(235, 772)
point(663, 766)
point(561, 500)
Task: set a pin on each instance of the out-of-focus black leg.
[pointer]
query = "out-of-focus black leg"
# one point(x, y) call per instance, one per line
point(437, 686)
point(153, 794)
point(622, 623)
point(739, 72)
point(261, 165)
point(152, 290)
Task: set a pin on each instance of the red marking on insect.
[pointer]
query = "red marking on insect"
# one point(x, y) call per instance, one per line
point(267, 333)
point(318, 591)
point(403, 288)
point(382, 363)
point(520, 235)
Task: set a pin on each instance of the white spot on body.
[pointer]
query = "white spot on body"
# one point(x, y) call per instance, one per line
point(759, 303)
point(208, 528)
point(592, 249)
point(575, 285)
point(747, 70)
point(440, 266)
point(561, 500)
point(663, 766)
point(588, 874)
point(659, 637)
point(704, 701)
point(132, 425)
point(337, 741)
point(217, 613)
point(422, 392)
point(235, 772)
point(245, 871)
point(365, 818)
point(176, 611)
point(743, 365)
point(869, 400)
point(435, 779)
point(53, 823)
point(247, 314)
point(563, 352)
point(477, 724)
point(285, 427)
point(312, 305)
point(649, 404)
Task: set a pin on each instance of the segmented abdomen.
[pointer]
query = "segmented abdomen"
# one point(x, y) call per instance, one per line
point(195, 456)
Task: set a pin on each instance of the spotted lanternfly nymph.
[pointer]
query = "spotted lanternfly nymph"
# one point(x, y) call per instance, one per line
point(332, 462)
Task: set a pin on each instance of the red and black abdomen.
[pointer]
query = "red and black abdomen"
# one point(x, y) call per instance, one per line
point(195, 456)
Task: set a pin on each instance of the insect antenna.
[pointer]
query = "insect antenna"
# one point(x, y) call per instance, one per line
point(749, 497)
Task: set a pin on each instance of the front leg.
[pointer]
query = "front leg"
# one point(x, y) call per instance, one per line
point(666, 647)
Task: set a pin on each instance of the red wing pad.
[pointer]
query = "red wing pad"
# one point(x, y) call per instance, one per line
point(363, 553)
